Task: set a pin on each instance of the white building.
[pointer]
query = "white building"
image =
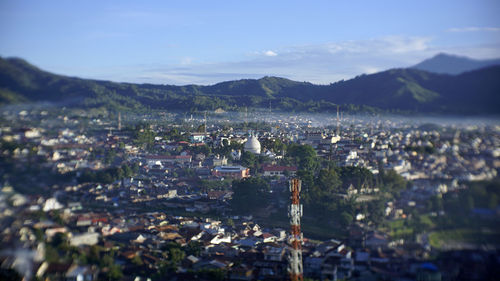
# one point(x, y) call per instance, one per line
point(52, 204)
point(252, 145)
point(88, 238)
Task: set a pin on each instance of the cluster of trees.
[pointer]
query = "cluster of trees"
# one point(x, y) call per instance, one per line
point(208, 185)
point(458, 213)
point(174, 253)
point(227, 148)
point(252, 161)
point(483, 194)
point(275, 145)
point(322, 199)
point(250, 195)
point(106, 155)
point(58, 249)
point(108, 175)
point(143, 136)
point(175, 135)
point(391, 182)
point(202, 149)
point(303, 156)
point(324, 194)
point(323, 189)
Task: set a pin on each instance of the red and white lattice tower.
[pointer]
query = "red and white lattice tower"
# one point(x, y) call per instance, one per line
point(295, 213)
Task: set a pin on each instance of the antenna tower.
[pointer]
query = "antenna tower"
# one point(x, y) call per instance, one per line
point(205, 122)
point(295, 269)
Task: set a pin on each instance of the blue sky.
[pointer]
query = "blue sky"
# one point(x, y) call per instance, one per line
point(205, 42)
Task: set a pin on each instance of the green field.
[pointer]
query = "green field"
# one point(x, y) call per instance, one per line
point(311, 229)
point(403, 228)
point(469, 237)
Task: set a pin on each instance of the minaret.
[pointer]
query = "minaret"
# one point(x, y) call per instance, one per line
point(205, 122)
point(119, 121)
point(338, 122)
point(295, 269)
point(245, 120)
point(270, 112)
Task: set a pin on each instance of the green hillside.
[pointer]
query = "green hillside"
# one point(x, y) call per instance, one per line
point(395, 90)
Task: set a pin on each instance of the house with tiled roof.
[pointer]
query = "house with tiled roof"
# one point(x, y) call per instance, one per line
point(275, 170)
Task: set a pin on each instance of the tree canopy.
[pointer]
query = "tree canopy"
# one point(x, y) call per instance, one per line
point(249, 195)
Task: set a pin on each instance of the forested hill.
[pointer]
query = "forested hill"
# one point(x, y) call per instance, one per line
point(395, 90)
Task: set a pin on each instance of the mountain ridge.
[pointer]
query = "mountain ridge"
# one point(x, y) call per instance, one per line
point(451, 64)
point(394, 90)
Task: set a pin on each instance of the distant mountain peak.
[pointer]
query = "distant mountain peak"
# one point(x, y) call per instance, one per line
point(453, 64)
point(446, 55)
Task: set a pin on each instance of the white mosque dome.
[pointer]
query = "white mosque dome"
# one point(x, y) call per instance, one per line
point(252, 145)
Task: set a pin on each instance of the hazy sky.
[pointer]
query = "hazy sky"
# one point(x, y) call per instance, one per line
point(204, 42)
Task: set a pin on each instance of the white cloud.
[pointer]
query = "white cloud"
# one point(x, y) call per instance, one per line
point(473, 29)
point(400, 44)
point(319, 63)
point(370, 69)
point(270, 53)
point(186, 60)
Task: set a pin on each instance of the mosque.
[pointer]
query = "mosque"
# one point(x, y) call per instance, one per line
point(252, 145)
